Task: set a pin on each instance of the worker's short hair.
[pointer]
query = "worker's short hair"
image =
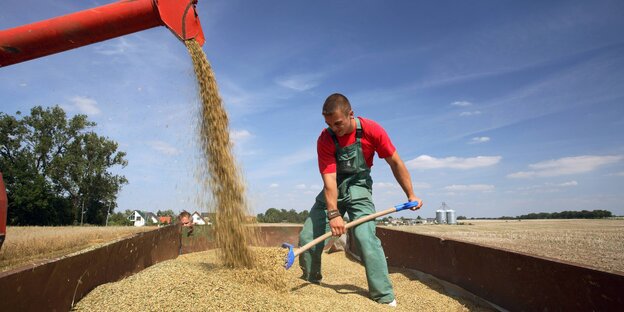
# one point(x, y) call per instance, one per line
point(336, 102)
point(184, 214)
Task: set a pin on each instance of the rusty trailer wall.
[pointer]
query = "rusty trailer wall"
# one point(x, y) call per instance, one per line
point(514, 281)
point(275, 235)
point(55, 285)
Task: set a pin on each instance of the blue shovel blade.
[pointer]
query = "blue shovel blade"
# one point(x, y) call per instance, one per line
point(290, 258)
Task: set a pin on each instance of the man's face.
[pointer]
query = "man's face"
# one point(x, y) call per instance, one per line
point(340, 122)
point(185, 221)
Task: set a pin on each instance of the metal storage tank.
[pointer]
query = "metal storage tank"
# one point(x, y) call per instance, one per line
point(440, 216)
point(450, 217)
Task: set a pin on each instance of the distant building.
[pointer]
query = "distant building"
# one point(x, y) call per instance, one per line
point(197, 219)
point(164, 220)
point(412, 221)
point(140, 218)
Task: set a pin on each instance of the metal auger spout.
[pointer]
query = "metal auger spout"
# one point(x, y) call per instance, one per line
point(109, 21)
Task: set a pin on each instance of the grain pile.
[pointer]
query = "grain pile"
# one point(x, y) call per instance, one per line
point(197, 282)
point(220, 174)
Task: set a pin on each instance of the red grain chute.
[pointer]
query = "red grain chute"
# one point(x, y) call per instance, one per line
point(109, 21)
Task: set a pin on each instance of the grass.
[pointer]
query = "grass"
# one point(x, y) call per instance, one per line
point(33, 244)
point(594, 243)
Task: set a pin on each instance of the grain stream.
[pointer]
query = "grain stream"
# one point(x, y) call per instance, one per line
point(220, 174)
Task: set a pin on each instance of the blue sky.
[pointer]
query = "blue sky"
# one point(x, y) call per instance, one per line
point(497, 107)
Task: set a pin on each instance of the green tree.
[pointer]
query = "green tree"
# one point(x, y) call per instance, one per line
point(274, 215)
point(165, 213)
point(57, 169)
point(119, 218)
point(303, 216)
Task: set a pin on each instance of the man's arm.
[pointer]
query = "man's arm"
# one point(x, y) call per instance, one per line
point(330, 190)
point(403, 177)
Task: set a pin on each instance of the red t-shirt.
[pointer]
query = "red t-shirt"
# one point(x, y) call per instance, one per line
point(374, 139)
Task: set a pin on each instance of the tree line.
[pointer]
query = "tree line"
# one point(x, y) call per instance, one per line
point(121, 218)
point(274, 215)
point(57, 169)
point(583, 214)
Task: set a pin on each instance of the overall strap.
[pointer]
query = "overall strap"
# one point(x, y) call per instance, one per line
point(333, 135)
point(358, 129)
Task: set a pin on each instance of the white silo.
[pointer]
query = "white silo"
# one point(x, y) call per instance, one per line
point(450, 217)
point(440, 216)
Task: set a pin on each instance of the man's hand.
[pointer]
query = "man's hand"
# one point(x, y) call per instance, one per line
point(337, 226)
point(415, 198)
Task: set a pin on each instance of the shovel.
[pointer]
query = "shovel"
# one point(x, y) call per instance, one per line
point(292, 253)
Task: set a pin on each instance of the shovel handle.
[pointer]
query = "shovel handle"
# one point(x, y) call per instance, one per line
point(355, 223)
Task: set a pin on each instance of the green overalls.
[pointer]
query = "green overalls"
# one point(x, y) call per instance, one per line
point(354, 197)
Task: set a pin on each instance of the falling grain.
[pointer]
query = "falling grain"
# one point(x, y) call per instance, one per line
point(220, 174)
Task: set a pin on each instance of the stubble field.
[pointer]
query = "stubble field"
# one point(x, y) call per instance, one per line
point(33, 244)
point(593, 243)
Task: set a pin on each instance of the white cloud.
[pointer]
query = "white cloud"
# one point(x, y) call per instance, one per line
point(85, 105)
point(461, 103)
point(470, 188)
point(477, 140)
point(617, 174)
point(300, 82)
point(282, 166)
point(565, 184)
point(473, 113)
point(395, 186)
point(163, 148)
point(23, 84)
point(421, 185)
point(547, 187)
point(238, 136)
point(385, 185)
point(565, 166)
point(274, 185)
point(316, 187)
point(116, 47)
point(428, 162)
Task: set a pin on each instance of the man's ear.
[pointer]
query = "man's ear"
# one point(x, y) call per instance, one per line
point(351, 115)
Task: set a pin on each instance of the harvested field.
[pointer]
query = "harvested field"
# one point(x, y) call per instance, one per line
point(196, 282)
point(594, 243)
point(34, 244)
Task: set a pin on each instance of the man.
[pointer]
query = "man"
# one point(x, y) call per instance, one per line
point(345, 155)
point(187, 222)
